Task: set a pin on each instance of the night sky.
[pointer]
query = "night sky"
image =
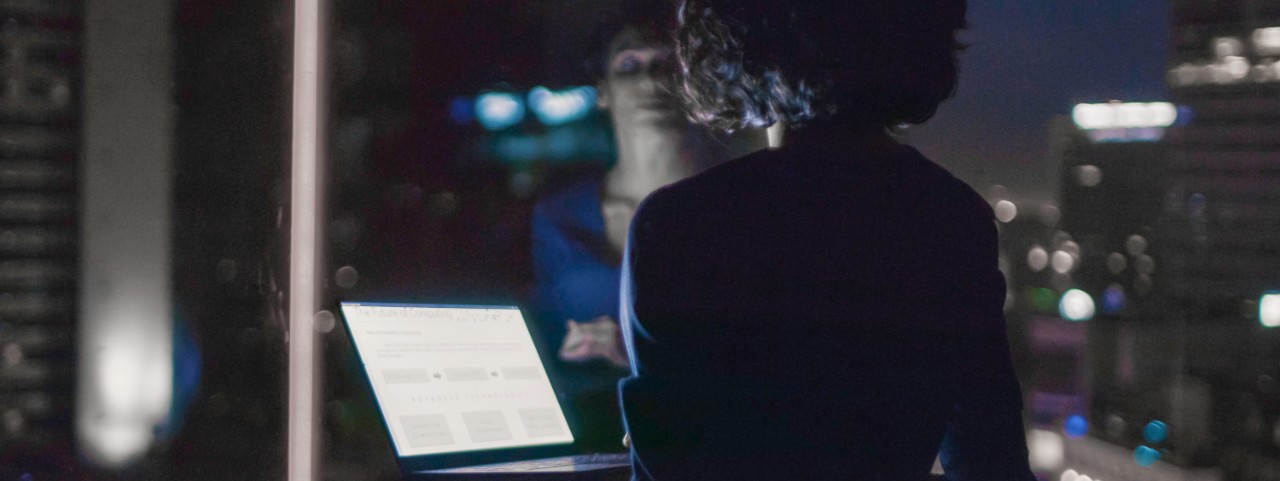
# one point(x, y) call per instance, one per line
point(1029, 61)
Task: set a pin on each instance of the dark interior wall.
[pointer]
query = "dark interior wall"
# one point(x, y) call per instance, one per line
point(231, 148)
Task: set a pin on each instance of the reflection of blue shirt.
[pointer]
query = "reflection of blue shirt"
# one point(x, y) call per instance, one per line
point(576, 270)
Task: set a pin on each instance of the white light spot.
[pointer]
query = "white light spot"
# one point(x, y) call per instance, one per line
point(1266, 41)
point(1063, 262)
point(1163, 114)
point(1076, 305)
point(1088, 175)
point(1069, 475)
point(1269, 310)
point(1132, 115)
point(1116, 263)
point(1047, 450)
point(346, 277)
point(498, 110)
point(558, 108)
point(1116, 115)
point(1227, 47)
point(1037, 258)
point(1084, 478)
point(1135, 245)
point(118, 443)
point(324, 322)
point(1092, 116)
point(1237, 67)
point(1006, 211)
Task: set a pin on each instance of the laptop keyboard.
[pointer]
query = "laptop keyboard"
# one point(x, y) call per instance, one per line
point(546, 463)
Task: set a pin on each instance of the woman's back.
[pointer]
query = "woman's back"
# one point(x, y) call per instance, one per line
point(820, 310)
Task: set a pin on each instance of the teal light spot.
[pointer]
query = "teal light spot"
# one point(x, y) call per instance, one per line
point(1156, 432)
point(1145, 456)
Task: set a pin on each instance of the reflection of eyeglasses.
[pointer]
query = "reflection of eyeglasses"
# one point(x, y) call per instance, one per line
point(635, 60)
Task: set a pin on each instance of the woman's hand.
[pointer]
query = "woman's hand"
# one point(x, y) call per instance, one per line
point(598, 339)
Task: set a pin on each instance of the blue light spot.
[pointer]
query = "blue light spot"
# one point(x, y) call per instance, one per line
point(1185, 114)
point(1155, 432)
point(1113, 299)
point(1075, 426)
point(1145, 456)
point(27, 477)
point(460, 111)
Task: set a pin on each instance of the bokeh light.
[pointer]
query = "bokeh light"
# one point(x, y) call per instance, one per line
point(1006, 211)
point(561, 107)
point(1113, 299)
point(1069, 475)
point(1076, 305)
point(324, 322)
point(346, 277)
point(1224, 47)
point(1135, 245)
point(1155, 432)
point(498, 110)
point(1116, 262)
point(461, 111)
point(1269, 309)
point(1063, 262)
point(1037, 258)
point(1267, 41)
point(1145, 456)
point(1088, 175)
point(1117, 115)
point(1046, 448)
point(1042, 299)
point(1075, 426)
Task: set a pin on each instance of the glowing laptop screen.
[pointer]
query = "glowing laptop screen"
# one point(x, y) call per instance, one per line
point(455, 378)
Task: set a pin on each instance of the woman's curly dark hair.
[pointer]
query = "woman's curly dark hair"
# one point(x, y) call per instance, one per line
point(751, 63)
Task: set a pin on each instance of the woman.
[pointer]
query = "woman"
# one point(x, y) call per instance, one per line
point(579, 231)
point(832, 309)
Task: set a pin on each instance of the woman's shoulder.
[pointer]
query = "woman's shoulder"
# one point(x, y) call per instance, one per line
point(935, 189)
point(723, 179)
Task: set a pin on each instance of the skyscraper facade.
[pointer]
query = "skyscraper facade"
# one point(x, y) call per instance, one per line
point(1219, 230)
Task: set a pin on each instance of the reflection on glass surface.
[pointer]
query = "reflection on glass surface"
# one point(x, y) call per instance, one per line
point(1156, 220)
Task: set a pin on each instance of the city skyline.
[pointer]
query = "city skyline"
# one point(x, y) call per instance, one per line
point(1028, 62)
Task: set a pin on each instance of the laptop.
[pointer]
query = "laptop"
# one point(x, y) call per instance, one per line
point(463, 394)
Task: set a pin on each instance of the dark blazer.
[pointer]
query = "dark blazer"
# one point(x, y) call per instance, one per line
point(817, 313)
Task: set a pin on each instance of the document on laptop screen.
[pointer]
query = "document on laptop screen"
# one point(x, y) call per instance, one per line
point(456, 378)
